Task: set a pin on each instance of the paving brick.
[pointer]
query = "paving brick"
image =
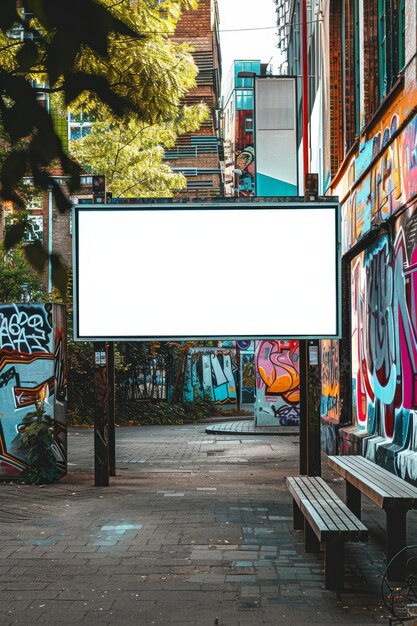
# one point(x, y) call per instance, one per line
point(248, 567)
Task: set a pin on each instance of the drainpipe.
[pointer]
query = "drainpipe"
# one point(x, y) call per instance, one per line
point(304, 72)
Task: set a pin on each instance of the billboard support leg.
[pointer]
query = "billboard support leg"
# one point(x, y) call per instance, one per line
point(112, 408)
point(101, 417)
point(310, 444)
point(303, 408)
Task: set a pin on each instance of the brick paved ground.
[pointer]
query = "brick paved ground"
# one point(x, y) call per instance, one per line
point(194, 530)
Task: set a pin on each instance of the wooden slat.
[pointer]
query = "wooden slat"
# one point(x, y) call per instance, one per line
point(325, 500)
point(391, 482)
point(333, 510)
point(346, 516)
point(374, 492)
point(326, 513)
point(382, 487)
point(384, 479)
point(302, 496)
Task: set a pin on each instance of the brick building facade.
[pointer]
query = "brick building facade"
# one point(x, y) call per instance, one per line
point(368, 155)
point(198, 155)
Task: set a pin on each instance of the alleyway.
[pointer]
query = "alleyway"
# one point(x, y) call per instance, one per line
point(194, 530)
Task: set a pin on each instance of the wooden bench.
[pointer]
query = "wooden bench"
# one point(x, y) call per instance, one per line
point(387, 491)
point(326, 519)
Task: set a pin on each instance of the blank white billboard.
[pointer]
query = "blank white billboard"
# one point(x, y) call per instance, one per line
point(212, 271)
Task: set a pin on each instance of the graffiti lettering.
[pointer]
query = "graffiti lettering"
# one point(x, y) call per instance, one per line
point(389, 184)
point(384, 356)
point(29, 373)
point(330, 394)
point(277, 377)
point(24, 329)
point(379, 323)
point(9, 375)
point(210, 372)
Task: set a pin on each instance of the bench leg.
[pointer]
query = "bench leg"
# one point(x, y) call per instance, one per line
point(298, 517)
point(396, 540)
point(311, 543)
point(334, 565)
point(353, 499)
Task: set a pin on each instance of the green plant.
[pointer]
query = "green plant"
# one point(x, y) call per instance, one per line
point(35, 441)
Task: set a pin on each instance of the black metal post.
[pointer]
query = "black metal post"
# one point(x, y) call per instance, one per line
point(353, 499)
point(101, 417)
point(303, 407)
point(310, 443)
point(396, 541)
point(238, 378)
point(112, 408)
point(313, 403)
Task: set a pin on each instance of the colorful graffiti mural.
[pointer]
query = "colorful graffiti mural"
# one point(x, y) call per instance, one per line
point(330, 392)
point(212, 372)
point(32, 366)
point(277, 383)
point(330, 401)
point(384, 347)
point(245, 152)
point(372, 194)
point(245, 162)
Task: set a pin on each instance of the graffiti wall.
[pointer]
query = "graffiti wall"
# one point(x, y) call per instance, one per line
point(384, 347)
point(330, 392)
point(381, 178)
point(212, 372)
point(277, 383)
point(32, 366)
point(330, 408)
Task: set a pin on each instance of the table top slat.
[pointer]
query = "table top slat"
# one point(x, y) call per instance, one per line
point(383, 476)
point(381, 486)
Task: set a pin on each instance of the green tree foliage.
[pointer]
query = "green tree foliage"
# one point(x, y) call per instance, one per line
point(95, 53)
point(129, 152)
point(17, 277)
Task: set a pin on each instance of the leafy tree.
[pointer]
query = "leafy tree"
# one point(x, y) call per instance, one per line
point(16, 273)
point(94, 53)
point(129, 153)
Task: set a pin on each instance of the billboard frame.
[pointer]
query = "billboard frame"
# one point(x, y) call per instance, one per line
point(223, 203)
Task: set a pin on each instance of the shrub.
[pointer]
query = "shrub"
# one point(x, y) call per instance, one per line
point(35, 441)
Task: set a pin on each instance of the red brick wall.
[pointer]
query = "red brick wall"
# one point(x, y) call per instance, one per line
point(335, 118)
point(194, 27)
point(371, 86)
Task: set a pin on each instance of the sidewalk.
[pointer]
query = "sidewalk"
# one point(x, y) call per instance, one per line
point(195, 530)
point(247, 427)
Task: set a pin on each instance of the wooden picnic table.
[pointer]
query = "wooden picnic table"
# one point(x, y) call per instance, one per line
point(387, 491)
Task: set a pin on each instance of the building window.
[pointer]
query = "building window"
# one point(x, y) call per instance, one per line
point(391, 43)
point(248, 124)
point(382, 48)
point(401, 34)
point(244, 98)
point(242, 82)
point(356, 69)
